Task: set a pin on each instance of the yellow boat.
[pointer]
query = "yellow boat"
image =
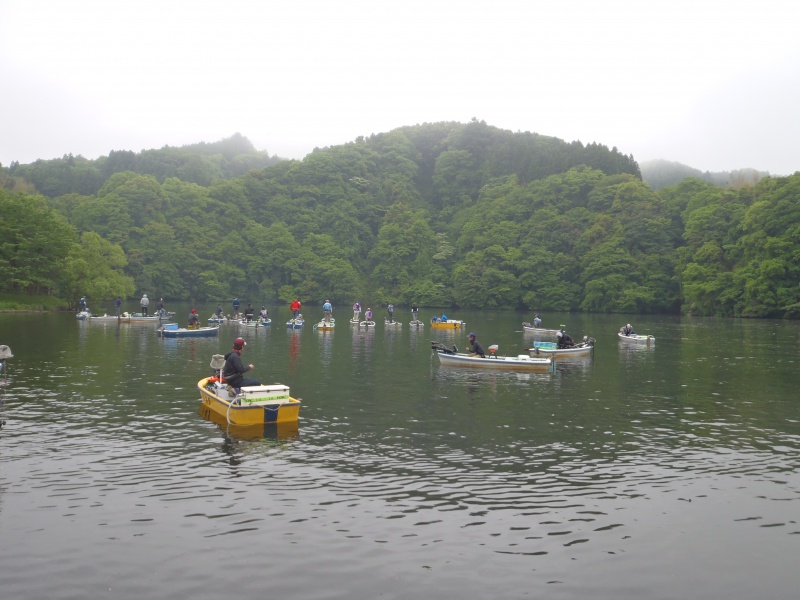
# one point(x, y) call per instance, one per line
point(439, 323)
point(254, 405)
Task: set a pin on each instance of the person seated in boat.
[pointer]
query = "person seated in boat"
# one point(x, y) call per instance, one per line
point(475, 346)
point(368, 314)
point(443, 318)
point(234, 370)
point(249, 312)
point(218, 312)
point(628, 330)
point(356, 311)
point(564, 340)
point(264, 313)
point(414, 312)
point(537, 321)
point(194, 320)
point(160, 308)
point(390, 310)
point(328, 309)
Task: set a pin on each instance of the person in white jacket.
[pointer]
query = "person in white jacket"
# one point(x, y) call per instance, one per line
point(145, 302)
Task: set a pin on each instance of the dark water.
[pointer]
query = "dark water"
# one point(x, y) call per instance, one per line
point(669, 472)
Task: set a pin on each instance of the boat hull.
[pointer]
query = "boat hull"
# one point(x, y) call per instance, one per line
point(214, 397)
point(418, 324)
point(294, 324)
point(528, 328)
point(449, 324)
point(637, 340)
point(183, 332)
point(523, 362)
point(581, 352)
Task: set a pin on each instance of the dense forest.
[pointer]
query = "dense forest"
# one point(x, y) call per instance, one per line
point(442, 214)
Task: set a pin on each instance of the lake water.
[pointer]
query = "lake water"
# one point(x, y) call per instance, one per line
point(641, 473)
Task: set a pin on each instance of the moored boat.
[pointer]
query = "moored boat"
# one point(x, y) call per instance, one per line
point(636, 339)
point(523, 362)
point(171, 330)
point(581, 349)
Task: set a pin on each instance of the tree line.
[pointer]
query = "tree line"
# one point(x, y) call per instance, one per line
point(442, 215)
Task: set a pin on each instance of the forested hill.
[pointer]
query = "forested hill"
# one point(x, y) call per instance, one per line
point(443, 214)
point(196, 163)
point(663, 173)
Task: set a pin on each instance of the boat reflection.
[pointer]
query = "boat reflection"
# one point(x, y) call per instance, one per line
point(274, 431)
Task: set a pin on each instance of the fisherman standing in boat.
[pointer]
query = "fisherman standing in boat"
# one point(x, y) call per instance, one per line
point(236, 305)
point(144, 303)
point(194, 321)
point(390, 310)
point(414, 312)
point(249, 312)
point(356, 311)
point(628, 330)
point(328, 308)
point(475, 346)
point(118, 305)
point(234, 370)
point(537, 321)
point(295, 308)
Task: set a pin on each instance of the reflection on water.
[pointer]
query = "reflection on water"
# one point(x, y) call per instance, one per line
point(403, 478)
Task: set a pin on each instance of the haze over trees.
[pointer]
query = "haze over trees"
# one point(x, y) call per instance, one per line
point(441, 214)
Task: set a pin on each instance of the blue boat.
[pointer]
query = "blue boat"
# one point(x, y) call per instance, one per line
point(171, 330)
point(295, 323)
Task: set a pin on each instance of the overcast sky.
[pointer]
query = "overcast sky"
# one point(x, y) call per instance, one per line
point(711, 84)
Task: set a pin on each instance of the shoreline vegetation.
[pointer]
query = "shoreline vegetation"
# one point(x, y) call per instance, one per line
point(26, 303)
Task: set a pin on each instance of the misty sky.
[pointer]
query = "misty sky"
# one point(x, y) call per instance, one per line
point(711, 84)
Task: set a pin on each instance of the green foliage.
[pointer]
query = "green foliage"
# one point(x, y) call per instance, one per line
point(439, 214)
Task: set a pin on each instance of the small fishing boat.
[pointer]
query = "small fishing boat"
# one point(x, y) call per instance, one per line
point(5, 354)
point(416, 323)
point(392, 324)
point(528, 328)
point(83, 315)
point(326, 325)
point(171, 330)
point(295, 323)
point(439, 323)
point(156, 318)
point(523, 362)
point(354, 321)
point(216, 320)
point(367, 324)
point(635, 339)
point(581, 349)
point(109, 319)
point(255, 323)
point(247, 405)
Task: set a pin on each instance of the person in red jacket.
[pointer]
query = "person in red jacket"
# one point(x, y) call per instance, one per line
point(295, 308)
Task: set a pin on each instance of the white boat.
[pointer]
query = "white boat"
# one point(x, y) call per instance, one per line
point(416, 323)
point(324, 325)
point(109, 319)
point(636, 339)
point(551, 349)
point(395, 324)
point(528, 328)
point(523, 362)
point(255, 323)
point(295, 323)
point(367, 324)
point(83, 315)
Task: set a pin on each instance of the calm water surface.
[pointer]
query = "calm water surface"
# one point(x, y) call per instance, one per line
point(668, 472)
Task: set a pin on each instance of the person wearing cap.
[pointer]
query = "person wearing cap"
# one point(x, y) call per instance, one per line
point(144, 303)
point(475, 346)
point(368, 314)
point(628, 330)
point(194, 321)
point(264, 313)
point(218, 312)
point(234, 370)
point(537, 321)
point(564, 339)
point(390, 310)
point(356, 311)
point(328, 310)
point(236, 305)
